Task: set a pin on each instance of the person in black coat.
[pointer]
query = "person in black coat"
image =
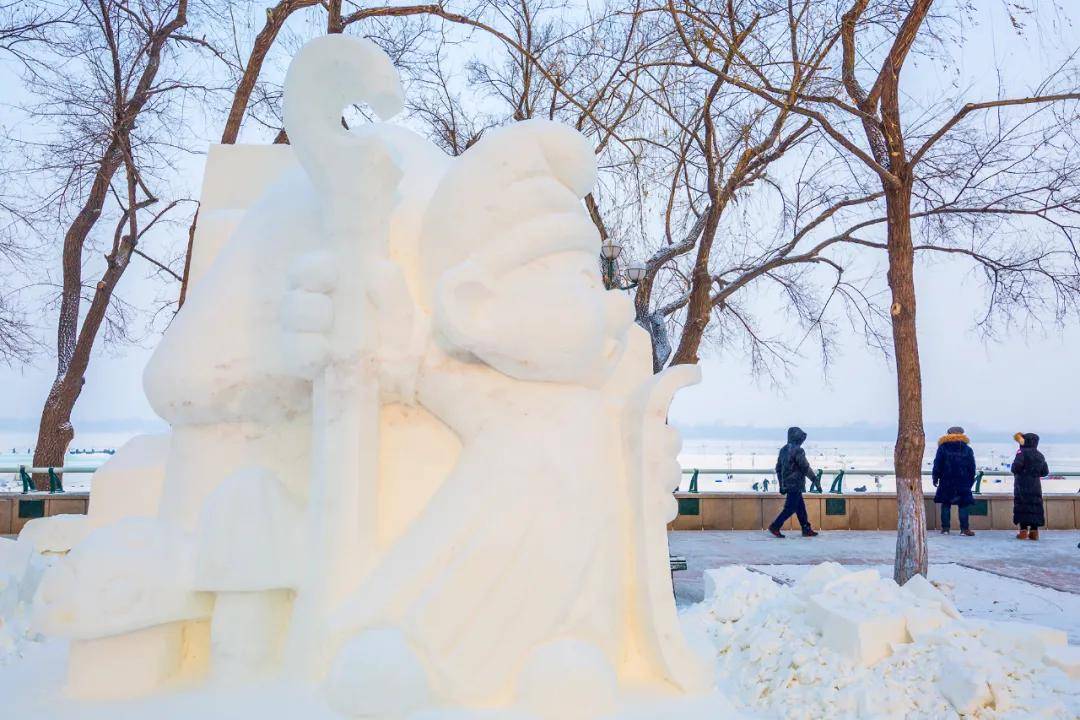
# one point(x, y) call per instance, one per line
point(954, 476)
point(1028, 469)
point(792, 472)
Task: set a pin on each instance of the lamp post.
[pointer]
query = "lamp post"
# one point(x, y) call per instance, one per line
point(609, 255)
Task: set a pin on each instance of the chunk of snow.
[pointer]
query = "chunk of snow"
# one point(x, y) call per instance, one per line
point(139, 663)
point(54, 534)
point(1065, 658)
point(734, 590)
point(815, 580)
point(1033, 640)
point(965, 691)
point(918, 586)
point(129, 484)
point(377, 674)
point(863, 635)
point(131, 575)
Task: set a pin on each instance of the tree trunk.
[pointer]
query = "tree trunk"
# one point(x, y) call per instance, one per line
point(55, 431)
point(911, 553)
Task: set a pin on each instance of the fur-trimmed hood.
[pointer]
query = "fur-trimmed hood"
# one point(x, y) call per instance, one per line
point(953, 437)
point(1028, 440)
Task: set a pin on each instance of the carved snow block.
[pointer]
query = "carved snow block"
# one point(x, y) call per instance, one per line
point(140, 662)
point(1065, 658)
point(964, 690)
point(855, 633)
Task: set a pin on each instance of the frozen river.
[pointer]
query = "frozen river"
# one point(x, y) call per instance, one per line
point(714, 454)
point(831, 456)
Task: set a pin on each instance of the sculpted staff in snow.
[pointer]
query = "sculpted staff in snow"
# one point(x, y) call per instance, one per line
point(356, 178)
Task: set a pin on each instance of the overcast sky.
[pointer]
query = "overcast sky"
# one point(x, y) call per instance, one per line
point(1026, 381)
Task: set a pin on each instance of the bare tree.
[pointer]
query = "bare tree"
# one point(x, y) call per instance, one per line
point(922, 169)
point(21, 28)
point(102, 87)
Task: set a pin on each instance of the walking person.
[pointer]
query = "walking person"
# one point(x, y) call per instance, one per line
point(792, 472)
point(954, 476)
point(1028, 469)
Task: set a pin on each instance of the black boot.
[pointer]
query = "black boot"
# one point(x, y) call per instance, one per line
point(809, 532)
point(775, 532)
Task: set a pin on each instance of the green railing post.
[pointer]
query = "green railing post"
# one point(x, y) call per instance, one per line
point(815, 484)
point(55, 485)
point(27, 481)
point(838, 484)
point(978, 483)
point(693, 481)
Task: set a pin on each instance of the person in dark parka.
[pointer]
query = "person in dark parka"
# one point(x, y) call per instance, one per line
point(954, 476)
point(1028, 469)
point(792, 472)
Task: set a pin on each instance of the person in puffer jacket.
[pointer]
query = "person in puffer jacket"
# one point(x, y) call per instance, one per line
point(792, 471)
point(954, 476)
point(1028, 469)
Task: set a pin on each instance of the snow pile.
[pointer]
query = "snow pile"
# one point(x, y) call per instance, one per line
point(21, 568)
point(845, 644)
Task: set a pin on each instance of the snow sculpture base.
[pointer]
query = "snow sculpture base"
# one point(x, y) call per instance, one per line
point(138, 663)
point(418, 458)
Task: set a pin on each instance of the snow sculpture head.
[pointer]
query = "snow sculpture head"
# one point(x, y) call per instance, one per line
point(509, 258)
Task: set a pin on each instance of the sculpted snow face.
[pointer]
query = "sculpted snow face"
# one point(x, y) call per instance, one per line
point(510, 258)
point(385, 316)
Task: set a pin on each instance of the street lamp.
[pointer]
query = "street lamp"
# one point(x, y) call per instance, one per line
point(609, 254)
point(611, 251)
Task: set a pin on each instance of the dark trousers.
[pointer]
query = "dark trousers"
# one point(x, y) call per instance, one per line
point(793, 505)
point(946, 516)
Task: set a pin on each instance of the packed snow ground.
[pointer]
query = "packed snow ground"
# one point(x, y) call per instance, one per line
point(1053, 561)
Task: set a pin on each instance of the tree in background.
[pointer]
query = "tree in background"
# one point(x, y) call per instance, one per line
point(107, 106)
point(22, 28)
point(995, 181)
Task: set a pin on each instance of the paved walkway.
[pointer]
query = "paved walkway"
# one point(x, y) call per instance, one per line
point(1053, 561)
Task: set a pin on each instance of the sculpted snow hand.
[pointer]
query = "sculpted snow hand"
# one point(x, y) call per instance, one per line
point(417, 455)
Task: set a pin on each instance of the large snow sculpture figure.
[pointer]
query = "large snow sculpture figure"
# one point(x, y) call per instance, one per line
point(524, 543)
point(417, 453)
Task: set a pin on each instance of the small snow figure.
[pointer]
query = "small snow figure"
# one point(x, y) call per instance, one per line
point(1028, 469)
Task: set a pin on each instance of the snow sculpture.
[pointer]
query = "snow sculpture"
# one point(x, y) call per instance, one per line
point(417, 453)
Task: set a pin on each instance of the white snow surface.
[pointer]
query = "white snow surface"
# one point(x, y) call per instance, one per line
point(771, 657)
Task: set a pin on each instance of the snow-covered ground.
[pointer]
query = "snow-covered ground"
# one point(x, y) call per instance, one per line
point(841, 644)
point(978, 594)
point(787, 640)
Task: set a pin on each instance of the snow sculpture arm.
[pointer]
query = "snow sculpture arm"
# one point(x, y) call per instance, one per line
point(650, 446)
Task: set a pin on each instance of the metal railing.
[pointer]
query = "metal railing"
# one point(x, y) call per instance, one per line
point(837, 485)
point(56, 484)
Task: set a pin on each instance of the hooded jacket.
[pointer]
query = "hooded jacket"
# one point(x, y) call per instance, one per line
point(792, 468)
point(954, 470)
point(1028, 468)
